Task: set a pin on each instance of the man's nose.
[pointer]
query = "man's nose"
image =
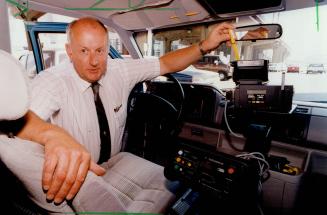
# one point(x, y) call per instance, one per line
point(93, 59)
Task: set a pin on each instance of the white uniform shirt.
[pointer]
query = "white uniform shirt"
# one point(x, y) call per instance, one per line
point(59, 94)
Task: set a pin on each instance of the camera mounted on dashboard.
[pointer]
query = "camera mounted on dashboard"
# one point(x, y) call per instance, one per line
point(256, 106)
point(252, 91)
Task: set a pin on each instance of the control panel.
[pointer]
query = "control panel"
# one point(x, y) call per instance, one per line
point(222, 175)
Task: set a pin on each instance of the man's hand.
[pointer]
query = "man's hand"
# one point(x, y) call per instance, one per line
point(65, 168)
point(218, 35)
point(66, 161)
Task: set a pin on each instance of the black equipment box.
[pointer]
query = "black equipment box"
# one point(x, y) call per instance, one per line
point(253, 71)
point(253, 93)
point(268, 98)
point(215, 173)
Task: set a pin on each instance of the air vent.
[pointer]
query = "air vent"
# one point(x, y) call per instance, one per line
point(303, 110)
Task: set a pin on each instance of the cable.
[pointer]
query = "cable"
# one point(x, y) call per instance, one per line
point(263, 164)
point(263, 170)
point(227, 124)
point(260, 209)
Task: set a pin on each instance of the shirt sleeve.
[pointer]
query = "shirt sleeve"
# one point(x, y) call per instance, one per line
point(45, 93)
point(138, 70)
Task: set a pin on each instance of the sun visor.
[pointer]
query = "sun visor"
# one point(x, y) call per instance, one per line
point(13, 88)
point(227, 9)
point(166, 13)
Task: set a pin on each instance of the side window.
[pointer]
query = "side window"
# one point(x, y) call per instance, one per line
point(53, 48)
point(27, 60)
point(30, 65)
point(18, 42)
point(116, 43)
point(23, 59)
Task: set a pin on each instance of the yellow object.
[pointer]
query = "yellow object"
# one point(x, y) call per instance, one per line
point(235, 49)
point(174, 17)
point(292, 170)
point(192, 13)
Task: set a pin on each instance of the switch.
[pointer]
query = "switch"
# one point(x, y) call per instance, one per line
point(230, 170)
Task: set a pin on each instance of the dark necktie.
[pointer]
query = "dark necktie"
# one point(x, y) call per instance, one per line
point(103, 125)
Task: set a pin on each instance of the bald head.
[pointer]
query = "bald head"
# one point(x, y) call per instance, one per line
point(87, 48)
point(85, 23)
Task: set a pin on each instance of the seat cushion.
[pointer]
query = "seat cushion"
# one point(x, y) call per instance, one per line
point(139, 184)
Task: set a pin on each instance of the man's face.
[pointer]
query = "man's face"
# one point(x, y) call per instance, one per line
point(88, 51)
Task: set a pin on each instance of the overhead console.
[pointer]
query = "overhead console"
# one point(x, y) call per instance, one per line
point(220, 8)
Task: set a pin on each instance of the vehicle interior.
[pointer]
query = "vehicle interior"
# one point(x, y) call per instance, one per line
point(255, 142)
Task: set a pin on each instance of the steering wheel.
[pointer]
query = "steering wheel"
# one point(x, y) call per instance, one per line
point(176, 100)
point(154, 105)
point(154, 118)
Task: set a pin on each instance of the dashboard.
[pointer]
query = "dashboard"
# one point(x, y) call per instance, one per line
point(206, 150)
point(204, 106)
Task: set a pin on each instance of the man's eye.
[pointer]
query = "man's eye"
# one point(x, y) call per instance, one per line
point(84, 51)
point(100, 51)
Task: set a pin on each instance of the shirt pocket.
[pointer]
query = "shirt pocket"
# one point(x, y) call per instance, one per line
point(120, 115)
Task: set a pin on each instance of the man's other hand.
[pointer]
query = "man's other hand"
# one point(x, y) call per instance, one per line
point(65, 168)
point(66, 161)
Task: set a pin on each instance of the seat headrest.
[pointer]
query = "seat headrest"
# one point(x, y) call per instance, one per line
point(14, 100)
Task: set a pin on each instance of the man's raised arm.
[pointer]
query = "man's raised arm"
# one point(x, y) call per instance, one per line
point(182, 58)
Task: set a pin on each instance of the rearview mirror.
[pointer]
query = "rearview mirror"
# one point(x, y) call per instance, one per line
point(258, 32)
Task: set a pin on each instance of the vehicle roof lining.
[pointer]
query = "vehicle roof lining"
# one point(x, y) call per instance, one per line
point(106, 8)
point(140, 16)
point(171, 12)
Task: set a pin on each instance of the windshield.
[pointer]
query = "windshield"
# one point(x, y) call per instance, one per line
point(300, 53)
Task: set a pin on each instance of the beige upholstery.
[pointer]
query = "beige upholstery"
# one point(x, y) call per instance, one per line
point(133, 183)
point(130, 184)
point(13, 88)
point(25, 160)
point(140, 183)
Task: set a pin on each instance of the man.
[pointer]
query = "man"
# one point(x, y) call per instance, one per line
point(21, 162)
point(65, 94)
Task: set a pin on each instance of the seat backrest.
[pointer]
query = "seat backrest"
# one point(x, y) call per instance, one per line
point(13, 106)
point(13, 88)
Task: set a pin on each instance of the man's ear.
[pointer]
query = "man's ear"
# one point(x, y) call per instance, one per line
point(69, 50)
